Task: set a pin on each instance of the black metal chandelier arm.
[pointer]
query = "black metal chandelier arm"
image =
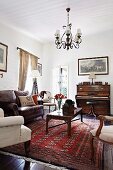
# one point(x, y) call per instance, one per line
point(76, 45)
point(59, 45)
point(63, 36)
point(79, 40)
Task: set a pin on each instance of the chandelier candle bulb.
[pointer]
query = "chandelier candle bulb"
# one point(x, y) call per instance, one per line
point(68, 31)
point(57, 33)
point(79, 31)
point(76, 38)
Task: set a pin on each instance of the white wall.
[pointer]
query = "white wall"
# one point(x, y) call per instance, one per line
point(14, 39)
point(50, 57)
point(92, 46)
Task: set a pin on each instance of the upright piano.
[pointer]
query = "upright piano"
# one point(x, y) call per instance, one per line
point(93, 98)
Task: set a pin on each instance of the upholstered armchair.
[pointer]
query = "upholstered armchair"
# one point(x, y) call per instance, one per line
point(48, 100)
point(12, 131)
point(102, 133)
point(46, 96)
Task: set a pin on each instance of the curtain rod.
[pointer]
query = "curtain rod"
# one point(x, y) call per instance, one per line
point(18, 48)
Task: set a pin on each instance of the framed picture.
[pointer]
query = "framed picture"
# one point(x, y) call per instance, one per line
point(3, 57)
point(98, 65)
point(40, 68)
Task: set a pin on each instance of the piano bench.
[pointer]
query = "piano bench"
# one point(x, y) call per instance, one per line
point(92, 103)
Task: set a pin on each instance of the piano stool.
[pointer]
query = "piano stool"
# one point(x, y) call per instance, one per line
point(91, 103)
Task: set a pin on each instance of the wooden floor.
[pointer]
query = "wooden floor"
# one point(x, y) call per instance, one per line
point(13, 163)
point(8, 162)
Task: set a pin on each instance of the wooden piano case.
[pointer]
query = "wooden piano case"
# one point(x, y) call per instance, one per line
point(98, 94)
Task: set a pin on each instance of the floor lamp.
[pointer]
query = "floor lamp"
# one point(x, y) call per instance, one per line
point(35, 74)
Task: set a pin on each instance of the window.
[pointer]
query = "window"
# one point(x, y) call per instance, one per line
point(60, 80)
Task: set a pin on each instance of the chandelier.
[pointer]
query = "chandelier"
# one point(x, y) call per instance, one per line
point(66, 40)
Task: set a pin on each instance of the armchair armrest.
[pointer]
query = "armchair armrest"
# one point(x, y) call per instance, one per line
point(109, 118)
point(14, 107)
point(11, 121)
point(1, 112)
point(102, 119)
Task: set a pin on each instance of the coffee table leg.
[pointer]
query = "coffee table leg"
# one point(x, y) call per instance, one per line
point(49, 108)
point(81, 117)
point(69, 127)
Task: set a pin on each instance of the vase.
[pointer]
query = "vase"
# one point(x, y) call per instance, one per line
point(59, 104)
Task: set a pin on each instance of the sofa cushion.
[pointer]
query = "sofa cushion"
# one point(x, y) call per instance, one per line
point(7, 96)
point(26, 101)
point(20, 93)
point(31, 112)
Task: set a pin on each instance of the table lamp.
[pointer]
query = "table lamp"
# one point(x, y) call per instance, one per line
point(35, 74)
point(92, 76)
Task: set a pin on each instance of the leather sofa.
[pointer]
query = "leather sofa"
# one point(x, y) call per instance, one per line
point(10, 103)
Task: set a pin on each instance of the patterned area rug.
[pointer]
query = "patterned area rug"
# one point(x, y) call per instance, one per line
point(57, 148)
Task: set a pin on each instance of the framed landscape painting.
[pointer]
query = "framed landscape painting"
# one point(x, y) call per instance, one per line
point(98, 65)
point(3, 57)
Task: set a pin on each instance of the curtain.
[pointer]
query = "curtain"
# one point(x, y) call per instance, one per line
point(24, 61)
point(34, 62)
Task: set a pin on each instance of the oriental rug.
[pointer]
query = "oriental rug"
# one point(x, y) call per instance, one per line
point(58, 149)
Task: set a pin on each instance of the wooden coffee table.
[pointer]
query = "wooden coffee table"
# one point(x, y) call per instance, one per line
point(59, 116)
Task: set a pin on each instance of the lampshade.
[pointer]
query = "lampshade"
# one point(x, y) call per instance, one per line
point(35, 74)
point(92, 75)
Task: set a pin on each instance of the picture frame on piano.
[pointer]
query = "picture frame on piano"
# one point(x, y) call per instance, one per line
point(98, 65)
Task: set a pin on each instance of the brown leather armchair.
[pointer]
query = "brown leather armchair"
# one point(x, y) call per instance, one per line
point(10, 103)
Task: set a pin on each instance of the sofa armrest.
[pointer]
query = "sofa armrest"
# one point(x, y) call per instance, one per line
point(11, 121)
point(109, 118)
point(1, 112)
point(14, 107)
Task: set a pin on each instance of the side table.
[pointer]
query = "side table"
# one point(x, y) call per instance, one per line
point(49, 105)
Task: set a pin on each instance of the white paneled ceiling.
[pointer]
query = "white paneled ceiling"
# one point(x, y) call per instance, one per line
point(41, 18)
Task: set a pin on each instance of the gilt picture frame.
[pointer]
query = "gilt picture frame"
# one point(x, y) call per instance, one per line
point(98, 65)
point(40, 68)
point(3, 57)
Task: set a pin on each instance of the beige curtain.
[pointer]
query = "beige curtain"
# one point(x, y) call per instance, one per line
point(34, 62)
point(24, 61)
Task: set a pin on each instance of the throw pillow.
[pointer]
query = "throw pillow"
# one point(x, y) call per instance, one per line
point(26, 101)
point(20, 93)
point(35, 98)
